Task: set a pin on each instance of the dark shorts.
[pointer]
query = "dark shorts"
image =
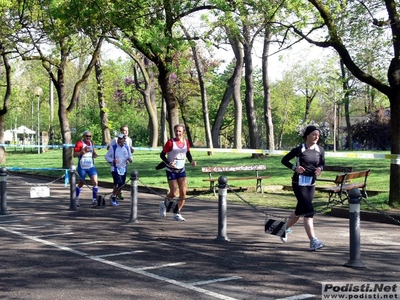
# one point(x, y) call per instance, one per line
point(83, 172)
point(118, 180)
point(174, 175)
point(304, 196)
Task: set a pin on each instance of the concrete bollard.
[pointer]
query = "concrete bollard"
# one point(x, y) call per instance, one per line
point(3, 191)
point(72, 188)
point(222, 208)
point(354, 221)
point(134, 192)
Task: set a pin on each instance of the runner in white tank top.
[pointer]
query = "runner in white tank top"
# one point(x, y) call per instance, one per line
point(174, 155)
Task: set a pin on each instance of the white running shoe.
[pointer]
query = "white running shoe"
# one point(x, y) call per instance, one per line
point(163, 209)
point(178, 217)
point(94, 202)
point(284, 239)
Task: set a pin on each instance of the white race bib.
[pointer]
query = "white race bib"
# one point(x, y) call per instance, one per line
point(305, 180)
point(180, 161)
point(121, 171)
point(86, 161)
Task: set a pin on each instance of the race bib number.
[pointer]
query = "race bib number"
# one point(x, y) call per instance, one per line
point(180, 161)
point(121, 171)
point(86, 161)
point(305, 180)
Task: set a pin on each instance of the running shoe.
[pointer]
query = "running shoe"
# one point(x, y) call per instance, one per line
point(284, 239)
point(178, 217)
point(94, 202)
point(315, 244)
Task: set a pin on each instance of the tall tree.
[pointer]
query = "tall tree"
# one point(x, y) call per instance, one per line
point(54, 24)
point(203, 90)
point(232, 91)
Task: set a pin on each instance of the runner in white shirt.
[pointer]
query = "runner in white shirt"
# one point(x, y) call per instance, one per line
point(128, 141)
point(118, 156)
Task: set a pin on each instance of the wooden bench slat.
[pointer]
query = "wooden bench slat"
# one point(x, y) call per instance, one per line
point(221, 169)
point(338, 169)
point(233, 168)
point(239, 178)
point(343, 186)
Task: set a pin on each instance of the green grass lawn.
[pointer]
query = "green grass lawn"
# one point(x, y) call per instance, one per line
point(145, 162)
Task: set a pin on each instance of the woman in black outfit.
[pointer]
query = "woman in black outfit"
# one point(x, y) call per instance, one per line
point(310, 161)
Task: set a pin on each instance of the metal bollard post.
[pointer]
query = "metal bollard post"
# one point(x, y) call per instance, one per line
point(222, 208)
point(72, 188)
point(354, 221)
point(3, 191)
point(134, 192)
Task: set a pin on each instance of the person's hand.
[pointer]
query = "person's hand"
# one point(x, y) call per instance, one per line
point(193, 163)
point(300, 169)
point(318, 171)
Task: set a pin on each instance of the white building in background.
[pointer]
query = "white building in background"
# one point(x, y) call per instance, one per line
point(21, 135)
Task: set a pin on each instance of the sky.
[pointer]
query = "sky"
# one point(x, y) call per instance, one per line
point(278, 63)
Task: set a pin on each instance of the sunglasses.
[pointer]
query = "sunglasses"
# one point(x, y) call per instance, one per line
point(88, 136)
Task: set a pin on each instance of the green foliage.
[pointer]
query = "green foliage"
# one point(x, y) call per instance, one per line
point(374, 132)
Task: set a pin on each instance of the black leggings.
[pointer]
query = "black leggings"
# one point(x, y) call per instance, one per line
point(305, 196)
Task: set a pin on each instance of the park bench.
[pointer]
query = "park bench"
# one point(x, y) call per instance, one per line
point(226, 169)
point(344, 183)
point(331, 169)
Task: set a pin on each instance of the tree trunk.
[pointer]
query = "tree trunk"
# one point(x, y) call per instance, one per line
point(394, 98)
point(152, 109)
point(169, 97)
point(216, 127)
point(67, 160)
point(232, 90)
point(249, 94)
point(6, 99)
point(270, 142)
point(203, 93)
point(164, 131)
point(106, 137)
point(346, 102)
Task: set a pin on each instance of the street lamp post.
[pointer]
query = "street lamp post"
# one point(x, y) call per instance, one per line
point(37, 91)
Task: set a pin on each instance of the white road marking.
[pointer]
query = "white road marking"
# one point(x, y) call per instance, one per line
point(27, 227)
point(120, 253)
point(13, 221)
point(215, 280)
point(121, 266)
point(298, 297)
point(162, 266)
point(54, 234)
point(85, 243)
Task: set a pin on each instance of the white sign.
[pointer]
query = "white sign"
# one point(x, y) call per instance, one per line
point(40, 191)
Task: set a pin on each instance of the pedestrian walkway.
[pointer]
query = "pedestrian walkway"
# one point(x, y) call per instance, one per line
point(51, 252)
